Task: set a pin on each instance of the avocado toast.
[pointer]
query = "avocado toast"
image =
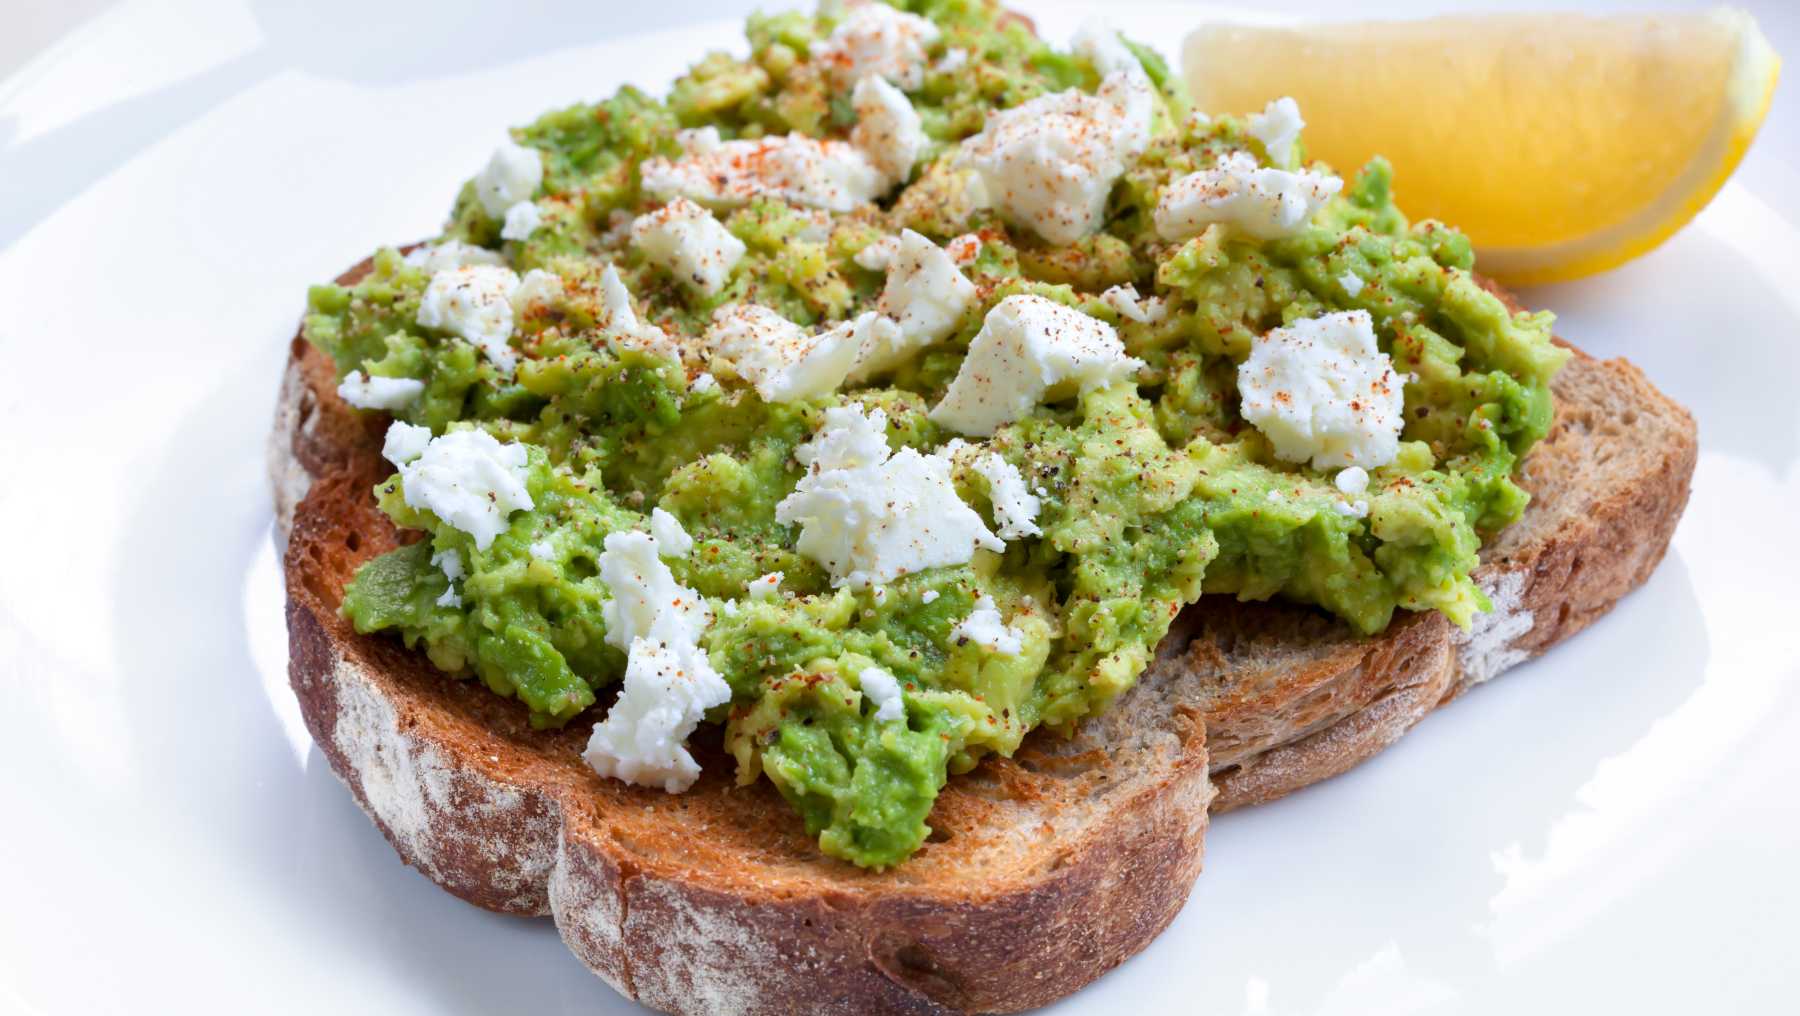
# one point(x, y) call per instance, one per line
point(707, 899)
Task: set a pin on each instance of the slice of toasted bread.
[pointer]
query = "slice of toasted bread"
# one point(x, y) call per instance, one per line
point(1045, 870)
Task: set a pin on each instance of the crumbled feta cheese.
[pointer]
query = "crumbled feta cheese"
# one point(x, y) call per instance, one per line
point(888, 130)
point(1354, 509)
point(924, 300)
point(379, 392)
point(1320, 389)
point(1278, 127)
point(404, 442)
point(849, 439)
point(522, 220)
point(928, 596)
point(963, 249)
point(671, 539)
point(647, 602)
point(475, 303)
point(832, 175)
point(883, 692)
point(881, 595)
point(1029, 348)
point(784, 361)
point(986, 628)
point(879, 254)
point(536, 292)
point(543, 550)
point(728, 607)
point(952, 61)
point(618, 317)
point(451, 564)
point(470, 481)
point(869, 517)
point(1015, 509)
point(1100, 43)
point(1049, 163)
point(766, 588)
point(1352, 283)
point(874, 38)
point(1132, 307)
point(512, 175)
point(1264, 203)
point(452, 254)
point(1353, 481)
point(667, 690)
point(684, 238)
point(703, 383)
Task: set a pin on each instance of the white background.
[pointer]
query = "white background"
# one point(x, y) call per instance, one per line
point(1609, 829)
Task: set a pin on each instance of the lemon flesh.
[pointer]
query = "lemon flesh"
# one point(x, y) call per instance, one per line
point(1561, 144)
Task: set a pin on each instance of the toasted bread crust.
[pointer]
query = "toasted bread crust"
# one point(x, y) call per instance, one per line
point(1049, 869)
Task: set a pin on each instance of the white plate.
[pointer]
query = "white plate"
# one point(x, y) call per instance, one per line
point(1608, 829)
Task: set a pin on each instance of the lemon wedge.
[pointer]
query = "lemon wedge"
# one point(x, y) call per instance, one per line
point(1562, 145)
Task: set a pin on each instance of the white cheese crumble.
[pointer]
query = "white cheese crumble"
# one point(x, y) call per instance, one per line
point(1353, 509)
point(667, 690)
point(404, 442)
point(1321, 390)
point(986, 628)
point(766, 588)
point(542, 550)
point(874, 38)
point(1126, 302)
point(379, 392)
point(647, 602)
point(831, 175)
point(619, 318)
point(784, 361)
point(888, 130)
point(928, 596)
point(470, 481)
point(451, 564)
point(703, 383)
point(1353, 480)
point(925, 298)
point(1015, 508)
point(883, 692)
point(1049, 163)
point(474, 303)
point(538, 291)
point(1278, 128)
point(1100, 43)
point(451, 254)
point(1264, 203)
point(512, 175)
point(522, 220)
point(1352, 283)
point(952, 61)
point(870, 517)
point(690, 243)
point(1029, 348)
point(671, 539)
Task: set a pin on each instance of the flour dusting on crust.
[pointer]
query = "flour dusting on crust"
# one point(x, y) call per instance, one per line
point(1487, 650)
point(440, 814)
point(288, 479)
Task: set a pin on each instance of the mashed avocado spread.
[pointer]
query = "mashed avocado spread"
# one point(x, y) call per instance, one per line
point(884, 395)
